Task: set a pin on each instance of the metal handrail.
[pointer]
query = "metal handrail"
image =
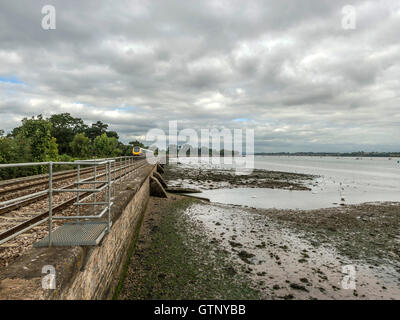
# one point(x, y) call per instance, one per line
point(124, 162)
point(78, 191)
point(32, 195)
point(26, 164)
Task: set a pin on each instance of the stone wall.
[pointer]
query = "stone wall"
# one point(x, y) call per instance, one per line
point(101, 273)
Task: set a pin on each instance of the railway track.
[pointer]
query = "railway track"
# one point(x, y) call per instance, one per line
point(14, 226)
point(17, 186)
point(43, 193)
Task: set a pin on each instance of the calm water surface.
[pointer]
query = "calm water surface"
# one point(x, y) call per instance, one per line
point(342, 180)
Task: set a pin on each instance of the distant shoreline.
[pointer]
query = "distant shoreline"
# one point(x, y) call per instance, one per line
point(325, 154)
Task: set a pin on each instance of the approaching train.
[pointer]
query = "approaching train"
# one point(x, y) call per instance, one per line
point(138, 151)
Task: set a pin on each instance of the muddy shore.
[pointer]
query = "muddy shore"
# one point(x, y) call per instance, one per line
point(286, 257)
point(208, 179)
point(173, 260)
point(300, 254)
point(191, 249)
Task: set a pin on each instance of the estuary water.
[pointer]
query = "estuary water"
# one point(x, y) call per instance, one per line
point(342, 180)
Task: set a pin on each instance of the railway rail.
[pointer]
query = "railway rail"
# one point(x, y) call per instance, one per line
point(42, 194)
point(16, 186)
point(15, 227)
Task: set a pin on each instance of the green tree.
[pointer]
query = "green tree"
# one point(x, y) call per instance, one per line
point(104, 146)
point(96, 130)
point(126, 150)
point(38, 131)
point(136, 143)
point(111, 134)
point(3, 147)
point(15, 150)
point(64, 129)
point(2, 159)
point(80, 146)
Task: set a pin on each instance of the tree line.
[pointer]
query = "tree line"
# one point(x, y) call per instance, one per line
point(61, 137)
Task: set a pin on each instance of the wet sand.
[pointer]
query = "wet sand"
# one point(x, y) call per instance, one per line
point(291, 262)
point(299, 254)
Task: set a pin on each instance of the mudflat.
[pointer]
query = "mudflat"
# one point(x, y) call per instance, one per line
point(291, 254)
point(207, 179)
point(194, 249)
point(174, 260)
point(191, 249)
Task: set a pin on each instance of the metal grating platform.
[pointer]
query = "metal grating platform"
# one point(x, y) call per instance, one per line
point(76, 234)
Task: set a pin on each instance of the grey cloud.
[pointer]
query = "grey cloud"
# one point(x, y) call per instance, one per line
point(302, 81)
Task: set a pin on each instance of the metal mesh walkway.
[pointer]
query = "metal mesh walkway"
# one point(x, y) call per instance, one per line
point(76, 234)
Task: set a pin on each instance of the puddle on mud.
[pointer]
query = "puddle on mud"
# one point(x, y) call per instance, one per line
point(283, 264)
point(290, 199)
point(269, 198)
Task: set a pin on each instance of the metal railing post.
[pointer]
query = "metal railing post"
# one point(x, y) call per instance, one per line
point(120, 174)
point(50, 200)
point(107, 175)
point(77, 193)
point(95, 187)
point(115, 176)
point(108, 196)
point(125, 169)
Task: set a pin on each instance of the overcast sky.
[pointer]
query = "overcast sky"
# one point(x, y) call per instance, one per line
point(287, 68)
